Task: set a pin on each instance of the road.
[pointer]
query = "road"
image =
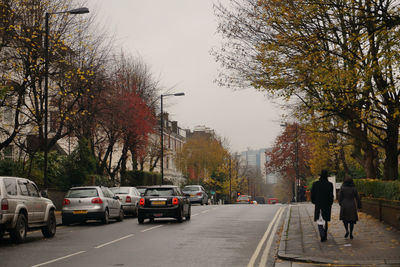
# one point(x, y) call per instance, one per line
point(221, 235)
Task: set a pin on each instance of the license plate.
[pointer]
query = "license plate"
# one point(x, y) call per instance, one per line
point(80, 212)
point(158, 203)
point(157, 214)
point(191, 195)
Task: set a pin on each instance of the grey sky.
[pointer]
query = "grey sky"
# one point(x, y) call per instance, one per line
point(174, 37)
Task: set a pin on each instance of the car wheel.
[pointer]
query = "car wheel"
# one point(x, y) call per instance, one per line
point(18, 234)
point(189, 213)
point(2, 231)
point(66, 221)
point(136, 212)
point(106, 217)
point(50, 229)
point(180, 215)
point(121, 215)
point(140, 219)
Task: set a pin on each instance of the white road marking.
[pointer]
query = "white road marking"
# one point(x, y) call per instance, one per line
point(264, 257)
point(204, 211)
point(260, 244)
point(116, 240)
point(58, 259)
point(151, 228)
point(194, 214)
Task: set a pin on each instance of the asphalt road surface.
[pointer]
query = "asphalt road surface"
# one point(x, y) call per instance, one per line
point(221, 235)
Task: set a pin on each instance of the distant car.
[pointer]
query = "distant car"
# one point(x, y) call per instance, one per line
point(141, 189)
point(129, 197)
point(164, 201)
point(244, 199)
point(260, 199)
point(196, 193)
point(23, 209)
point(273, 200)
point(91, 203)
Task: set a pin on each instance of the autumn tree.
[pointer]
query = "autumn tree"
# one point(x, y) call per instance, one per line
point(201, 156)
point(337, 57)
point(290, 155)
point(23, 71)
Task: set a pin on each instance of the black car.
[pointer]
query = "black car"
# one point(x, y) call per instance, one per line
point(164, 201)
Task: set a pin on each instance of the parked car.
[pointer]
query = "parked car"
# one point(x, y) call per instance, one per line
point(91, 203)
point(244, 199)
point(196, 193)
point(141, 189)
point(129, 197)
point(23, 209)
point(164, 201)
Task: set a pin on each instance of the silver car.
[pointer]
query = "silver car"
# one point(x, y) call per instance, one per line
point(196, 194)
point(23, 208)
point(129, 197)
point(91, 203)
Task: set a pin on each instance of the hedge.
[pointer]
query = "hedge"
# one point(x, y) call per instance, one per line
point(136, 178)
point(374, 188)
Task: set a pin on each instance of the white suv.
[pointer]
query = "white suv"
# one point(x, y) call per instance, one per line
point(23, 208)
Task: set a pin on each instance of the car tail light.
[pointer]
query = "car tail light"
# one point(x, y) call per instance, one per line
point(66, 201)
point(199, 194)
point(128, 199)
point(4, 204)
point(141, 202)
point(97, 200)
point(175, 201)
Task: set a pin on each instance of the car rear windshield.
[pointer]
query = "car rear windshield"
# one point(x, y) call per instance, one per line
point(191, 188)
point(82, 193)
point(243, 197)
point(120, 190)
point(162, 192)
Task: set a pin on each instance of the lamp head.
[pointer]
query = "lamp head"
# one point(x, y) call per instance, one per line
point(81, 10)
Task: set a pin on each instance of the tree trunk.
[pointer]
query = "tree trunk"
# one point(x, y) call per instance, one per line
point(364, 152)
point(391, 164)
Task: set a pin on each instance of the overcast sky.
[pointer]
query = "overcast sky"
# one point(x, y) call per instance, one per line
point(174, 38)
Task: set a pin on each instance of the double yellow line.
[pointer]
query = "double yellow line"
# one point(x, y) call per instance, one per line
point(274, 223)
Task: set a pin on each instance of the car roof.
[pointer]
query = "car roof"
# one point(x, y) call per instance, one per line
point(88, 186)
point(161, 186)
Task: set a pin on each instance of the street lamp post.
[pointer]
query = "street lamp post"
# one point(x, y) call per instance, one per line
point(81, 10)
point(162, 133)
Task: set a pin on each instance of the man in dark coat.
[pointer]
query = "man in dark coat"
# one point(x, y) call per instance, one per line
point(322, 198)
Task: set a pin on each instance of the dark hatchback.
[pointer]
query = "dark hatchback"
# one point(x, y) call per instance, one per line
point(164, 201)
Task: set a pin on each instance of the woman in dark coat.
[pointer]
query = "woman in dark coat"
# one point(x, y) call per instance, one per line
point(322, 198)
point(349, 200)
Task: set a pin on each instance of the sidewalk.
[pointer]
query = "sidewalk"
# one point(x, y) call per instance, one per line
point(374, 243)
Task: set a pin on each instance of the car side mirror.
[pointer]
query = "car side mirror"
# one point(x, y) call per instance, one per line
point(43, 193)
